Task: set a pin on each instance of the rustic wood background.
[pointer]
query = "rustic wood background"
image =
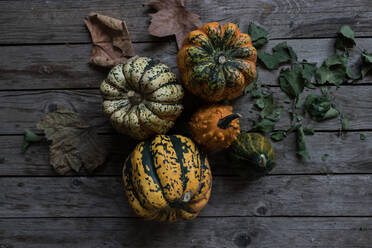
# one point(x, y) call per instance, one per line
point(44, 49)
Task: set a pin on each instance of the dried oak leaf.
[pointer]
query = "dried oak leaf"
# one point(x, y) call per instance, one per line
point(172, 18)
point(111, 41)
point(74, 144)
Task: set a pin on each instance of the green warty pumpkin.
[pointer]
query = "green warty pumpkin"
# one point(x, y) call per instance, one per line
point(251, 155)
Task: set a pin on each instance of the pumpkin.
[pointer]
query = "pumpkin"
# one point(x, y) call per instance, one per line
point(167, 178)
point(142, 98)
point(217, 62)
point(215, 126)
point(251, 155)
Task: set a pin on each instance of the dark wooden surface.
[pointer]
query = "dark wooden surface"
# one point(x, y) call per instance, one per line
point(44, 49)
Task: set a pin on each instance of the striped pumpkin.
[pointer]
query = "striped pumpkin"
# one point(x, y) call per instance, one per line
point(142, 98)
point(252, 155)
point(166, 178)
point(217, 62)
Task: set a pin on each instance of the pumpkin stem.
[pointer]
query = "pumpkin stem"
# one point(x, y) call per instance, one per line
point(263, 161)
point(187, 197)
point(221, 59)
point(134, 97)
point(225, 122)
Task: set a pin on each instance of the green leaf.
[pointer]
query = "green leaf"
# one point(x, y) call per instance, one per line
point(260, 103)
point(299, 102)
point(282, 53)
point(256, 91)
point(335, 70)
point(345, 38)
point(29, 137)
point(363, 136)
point(326, 75)
point(258, 35)
point(301, 143)
point(264, 125)
point(291, 81)
point(345, 123)
point(269, 106)
point(324, 157)
point(319, 107)
point(74, 144)
point(287, 100)
point(308, 70)
point(363, 228)
point(366, 63)
point(274, 116)
point(278, 136)
point(309, 130)
point(300, 117)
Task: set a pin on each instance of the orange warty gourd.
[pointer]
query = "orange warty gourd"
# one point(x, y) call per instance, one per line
point(217, 62)
point(215, 127)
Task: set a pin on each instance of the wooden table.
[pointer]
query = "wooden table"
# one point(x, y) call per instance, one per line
point(44, 49)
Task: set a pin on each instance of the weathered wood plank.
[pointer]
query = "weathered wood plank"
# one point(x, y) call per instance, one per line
point(23, 109)
point(202, 232)
point(300, 195)
point(347, 154)
point(53, 21)
point(65, 66)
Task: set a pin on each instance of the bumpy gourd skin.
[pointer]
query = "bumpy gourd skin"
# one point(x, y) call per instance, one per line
point(217, 62)
point(167, 178)
point(142, 98)
point(205, 131)
point(252, 155)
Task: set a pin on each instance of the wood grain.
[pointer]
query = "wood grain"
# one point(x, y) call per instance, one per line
point(203, 232)
point(299, 195)
point(347, 154)
point(23, 109)
point(54, 21)
point(65, 66)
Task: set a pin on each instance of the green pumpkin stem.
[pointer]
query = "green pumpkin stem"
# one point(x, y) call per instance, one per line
point(263, 161)
point(225, 122)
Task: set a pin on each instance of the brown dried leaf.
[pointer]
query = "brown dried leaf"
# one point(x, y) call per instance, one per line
point(111, 41)
point(74, 144)
point(172, 19)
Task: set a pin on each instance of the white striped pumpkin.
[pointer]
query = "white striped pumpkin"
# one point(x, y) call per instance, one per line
point(142, 98)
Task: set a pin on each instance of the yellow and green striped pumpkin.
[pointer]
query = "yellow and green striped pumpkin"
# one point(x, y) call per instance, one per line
point(167, 178)
point(217, 62)
point(252, 155)
point(142, 98)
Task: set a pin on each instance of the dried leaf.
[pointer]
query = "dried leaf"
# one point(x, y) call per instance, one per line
point(74, 144)
point(111, 41)
point(172, 18)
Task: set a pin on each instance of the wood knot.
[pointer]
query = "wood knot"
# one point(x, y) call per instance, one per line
point(77, 182)
point(242, 240)
point(261, 210)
